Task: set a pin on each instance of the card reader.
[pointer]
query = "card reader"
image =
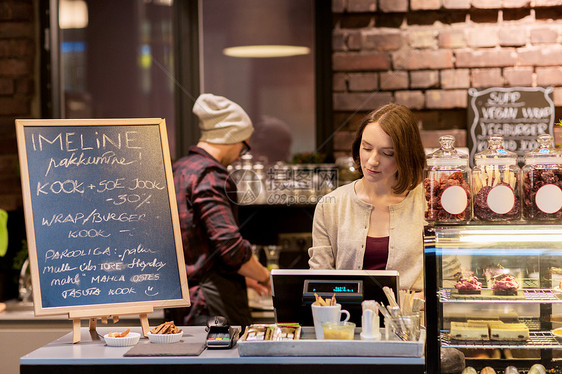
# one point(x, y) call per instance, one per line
point(221, 337)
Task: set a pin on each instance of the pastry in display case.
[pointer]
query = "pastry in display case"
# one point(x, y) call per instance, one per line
point(494, 295)
point(469, 286)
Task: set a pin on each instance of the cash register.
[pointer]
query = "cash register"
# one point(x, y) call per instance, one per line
point(293, 291)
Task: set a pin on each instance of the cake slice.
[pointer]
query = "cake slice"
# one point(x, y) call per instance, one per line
point(505, 286)
point(462, 331)
point(469, 286)
point(509, 331)
point(488, 323)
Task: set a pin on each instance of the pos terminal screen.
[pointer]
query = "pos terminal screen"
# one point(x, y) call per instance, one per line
point(333, 287)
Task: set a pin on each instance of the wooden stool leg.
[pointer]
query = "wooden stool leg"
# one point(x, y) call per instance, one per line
point(93, 324)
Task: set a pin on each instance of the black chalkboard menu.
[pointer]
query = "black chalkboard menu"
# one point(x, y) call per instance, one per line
point(519, 114)
point(101, 215)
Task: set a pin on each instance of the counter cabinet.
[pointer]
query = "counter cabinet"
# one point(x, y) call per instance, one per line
point(532, 255)
point(21, 332)
point(91, 355)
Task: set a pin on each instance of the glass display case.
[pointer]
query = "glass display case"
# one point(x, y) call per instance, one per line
point(494, 293)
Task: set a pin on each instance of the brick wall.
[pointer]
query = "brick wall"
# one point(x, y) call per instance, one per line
point(422, 53)
point(425, 54)
point(17, 54)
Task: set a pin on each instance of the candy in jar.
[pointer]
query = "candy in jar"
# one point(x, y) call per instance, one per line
point(447, 184)
point(496, 183)
point(542, 182)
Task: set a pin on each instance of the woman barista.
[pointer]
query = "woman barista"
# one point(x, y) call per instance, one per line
point(376, 222)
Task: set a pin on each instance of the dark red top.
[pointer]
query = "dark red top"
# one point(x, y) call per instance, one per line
point(376, 253)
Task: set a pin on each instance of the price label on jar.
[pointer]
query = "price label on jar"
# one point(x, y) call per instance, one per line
point(549, 198)
point(454, 200)
point(501, 199)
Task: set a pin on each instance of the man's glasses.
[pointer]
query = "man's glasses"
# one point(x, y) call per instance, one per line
point(245, 148)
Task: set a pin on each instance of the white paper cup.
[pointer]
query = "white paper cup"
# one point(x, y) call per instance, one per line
point(322, 314)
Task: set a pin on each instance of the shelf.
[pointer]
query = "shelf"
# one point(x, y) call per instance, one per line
point(537, 340)
point(531, 323)
point(531, 295)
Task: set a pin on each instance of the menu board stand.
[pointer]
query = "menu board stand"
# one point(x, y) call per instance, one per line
point(101, 219)
point(104, 315)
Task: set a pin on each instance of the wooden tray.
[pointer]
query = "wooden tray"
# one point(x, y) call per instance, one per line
point(309, 346)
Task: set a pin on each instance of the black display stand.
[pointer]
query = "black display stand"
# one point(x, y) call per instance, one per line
point(434, 308)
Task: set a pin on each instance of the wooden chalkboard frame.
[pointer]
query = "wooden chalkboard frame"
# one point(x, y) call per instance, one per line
point(83, 311)
point(512, 97)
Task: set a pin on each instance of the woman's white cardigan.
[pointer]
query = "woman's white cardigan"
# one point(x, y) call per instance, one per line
point(339, 234)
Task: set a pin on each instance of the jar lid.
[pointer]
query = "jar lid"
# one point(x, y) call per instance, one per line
point(545, 153)
point(447, 154)
point(345, 161)
point(496, 154)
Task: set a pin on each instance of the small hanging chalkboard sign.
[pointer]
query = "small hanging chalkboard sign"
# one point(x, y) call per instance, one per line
point(101, 216)
point(519, 114)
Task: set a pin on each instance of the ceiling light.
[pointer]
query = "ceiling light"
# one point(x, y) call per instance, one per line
point(264, 29)
point(73, 14)
point(266, 51)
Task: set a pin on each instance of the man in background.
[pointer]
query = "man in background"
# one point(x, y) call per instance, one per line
point(217, 257)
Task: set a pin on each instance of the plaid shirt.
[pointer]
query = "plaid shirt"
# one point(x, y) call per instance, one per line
point(210, 234)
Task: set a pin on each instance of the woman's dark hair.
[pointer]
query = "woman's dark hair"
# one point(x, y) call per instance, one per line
point(401, 125)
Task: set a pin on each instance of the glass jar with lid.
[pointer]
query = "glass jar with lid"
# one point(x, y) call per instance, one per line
point(542, 182)
point(260, 182)
point(347, 170)
point(249, 186)
point(446, 183)
point(495, 183)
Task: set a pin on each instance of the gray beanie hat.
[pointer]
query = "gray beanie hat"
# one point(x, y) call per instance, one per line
point(221, 121)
